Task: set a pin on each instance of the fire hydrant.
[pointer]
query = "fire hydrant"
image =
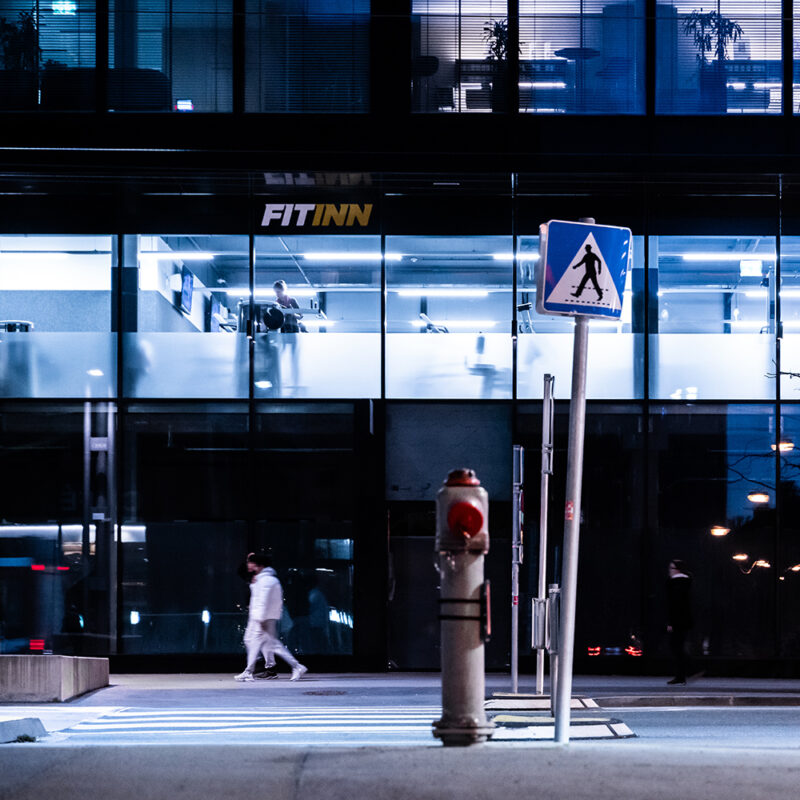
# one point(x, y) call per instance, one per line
point(462, 540)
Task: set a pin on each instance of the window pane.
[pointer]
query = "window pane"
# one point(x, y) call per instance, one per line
point(715, 323)
point(55, 317)
point(329, 347)
point(48, 55)
point(309, 534)
point(790, 316)
point(189, 341)
point(167, 55)
point(313, 61)
point(448, 312)
point(186, 480)
point(720, 61)
point(57, 554)
point(582, 56)
point(545, 343)
point(458, 54)
point(714, 466)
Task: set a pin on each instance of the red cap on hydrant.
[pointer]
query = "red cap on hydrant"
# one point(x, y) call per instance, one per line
point(465, 518)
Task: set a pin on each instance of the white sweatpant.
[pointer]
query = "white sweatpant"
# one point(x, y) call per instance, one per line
point(257, 640)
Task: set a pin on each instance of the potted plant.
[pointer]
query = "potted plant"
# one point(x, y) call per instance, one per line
point(495, 34)
point(711, 33)
point(21, 58)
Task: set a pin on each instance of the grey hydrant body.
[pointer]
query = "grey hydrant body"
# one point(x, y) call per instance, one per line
point(462, 539)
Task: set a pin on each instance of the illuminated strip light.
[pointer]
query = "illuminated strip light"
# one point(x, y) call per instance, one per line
point(37, 567)
point(315, 322)
point(764, 293)
point(738, 85)
point(458, 323)
point(767, 85)
point(719, 256)
point(177, 255)
point(350, 256)
point(241, 291)
point(441, 292)
point(543, 85)
point(36, 644)
point(520, 256)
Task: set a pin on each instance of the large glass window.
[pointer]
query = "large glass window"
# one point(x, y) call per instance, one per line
point(724, 58)
point(57, 554)
point(545, 343)
point(715, 317)
point(55, 317)
point(459, 54)
point(310, 56)
point(47, 55)
point(318, 332)
point(448, 315)
point(184, 513)
point(190, 340)
point(790, 316)
point(582, 56)
point(714, 492)
point(170, 55)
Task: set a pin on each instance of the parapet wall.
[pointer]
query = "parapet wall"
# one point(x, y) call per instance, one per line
point(48, 679)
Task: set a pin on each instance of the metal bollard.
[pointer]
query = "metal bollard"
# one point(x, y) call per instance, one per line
point(462, 540)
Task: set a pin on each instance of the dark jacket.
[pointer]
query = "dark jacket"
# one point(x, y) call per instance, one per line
point(679, 602)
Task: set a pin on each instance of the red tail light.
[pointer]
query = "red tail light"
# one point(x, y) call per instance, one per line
point(594, 651)
point(37, 644)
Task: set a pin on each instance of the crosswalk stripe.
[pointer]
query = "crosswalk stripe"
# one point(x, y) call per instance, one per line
point(314, 720)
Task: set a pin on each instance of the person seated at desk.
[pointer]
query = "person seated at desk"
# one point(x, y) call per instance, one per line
point(291, 322)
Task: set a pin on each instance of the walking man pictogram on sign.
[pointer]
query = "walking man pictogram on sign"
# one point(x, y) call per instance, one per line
point(593, 268)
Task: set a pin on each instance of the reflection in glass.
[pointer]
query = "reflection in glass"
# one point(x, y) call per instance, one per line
point(448, 311)
point(55, 317)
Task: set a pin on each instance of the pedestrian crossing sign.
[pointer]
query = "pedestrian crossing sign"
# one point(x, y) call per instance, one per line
point(582, 269)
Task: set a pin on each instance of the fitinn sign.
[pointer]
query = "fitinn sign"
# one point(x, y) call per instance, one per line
point(316, 215)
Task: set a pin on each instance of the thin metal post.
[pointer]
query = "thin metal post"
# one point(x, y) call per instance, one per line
point(516, 560)
point(572, 518)
point(547, 471)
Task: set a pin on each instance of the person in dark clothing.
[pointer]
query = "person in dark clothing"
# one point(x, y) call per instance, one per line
point(679, 616)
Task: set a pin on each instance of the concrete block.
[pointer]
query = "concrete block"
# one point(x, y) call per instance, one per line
point(11, 729)
point(48, 679)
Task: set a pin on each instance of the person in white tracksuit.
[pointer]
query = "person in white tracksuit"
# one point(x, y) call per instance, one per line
point(261, 634)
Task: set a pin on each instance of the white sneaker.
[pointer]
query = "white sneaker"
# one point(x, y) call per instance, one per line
point(298, 672)
point(244, 676)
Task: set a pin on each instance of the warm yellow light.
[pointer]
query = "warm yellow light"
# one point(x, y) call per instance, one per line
point(758, 497)
point(740, 557)
point(796, 568)
point(784, 447)
point(718, 530)
point(762, 563)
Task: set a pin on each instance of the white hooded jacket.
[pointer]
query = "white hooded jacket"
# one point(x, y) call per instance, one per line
point(266, 596)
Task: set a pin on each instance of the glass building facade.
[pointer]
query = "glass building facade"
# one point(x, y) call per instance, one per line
point(165, 165)
point(159, 421)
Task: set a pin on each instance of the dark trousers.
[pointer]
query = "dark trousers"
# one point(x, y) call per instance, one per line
point(677, 646)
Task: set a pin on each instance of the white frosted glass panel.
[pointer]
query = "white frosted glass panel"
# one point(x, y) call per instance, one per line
point(712, 366)
point(609, 375)
point(790, 362)
point(208, 365)
point(318, 365)
point(58, 364)
point(452, 365)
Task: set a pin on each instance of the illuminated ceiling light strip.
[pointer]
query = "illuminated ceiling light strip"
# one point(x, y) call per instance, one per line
point(176, 255)
point(350, 256)
point(719, 256)
point(244, 291)
point(441, 292)
point(457, 323)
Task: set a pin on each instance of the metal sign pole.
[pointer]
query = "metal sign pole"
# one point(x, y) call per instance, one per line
point(572, 526)
point(572, 518)
point(516, 560)
point(547, 471)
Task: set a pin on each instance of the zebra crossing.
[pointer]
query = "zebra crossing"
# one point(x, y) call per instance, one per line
point(298, 725)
